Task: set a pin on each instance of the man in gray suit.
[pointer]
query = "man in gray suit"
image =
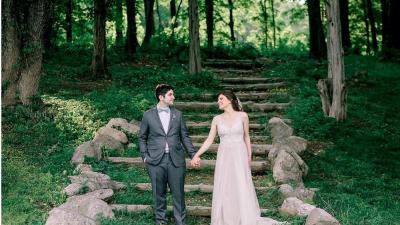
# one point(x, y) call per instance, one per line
point(162, 137)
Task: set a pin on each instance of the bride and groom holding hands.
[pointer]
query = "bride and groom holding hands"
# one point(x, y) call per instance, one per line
point(163, 137)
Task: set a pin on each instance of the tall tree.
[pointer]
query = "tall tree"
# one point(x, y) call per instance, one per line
point(68, 20)
point(390, 31)
point(333, 90)
point(22, 48)
point(317, 37)
point(49, 33)
point(149, 17)
point(344, 22)
point(119, 25)
point(99, 62)
point(371, 19)
point(273, 22)
point(194, 40)
point(210, 22)
point(231, 22)
point(366, 22)
point(160, 25)
point(131, 33)
point(172, 8)
point(264, 20)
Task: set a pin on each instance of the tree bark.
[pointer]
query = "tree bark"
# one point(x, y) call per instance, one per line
point(317, 37)
point(149, 17)
point(338, 107)
point(390, 31)
point(194, 41)
point(366, 22)
point(119, 25)
point(344, 21)
point(172, 8)
point(131, 33)
point(264, 20)
point(68, 21)
point(99, 62)
point(231, 22)
point(49, 33)
point(371, 19)
point(273, 22)
point(10, 54)
point(210, 22)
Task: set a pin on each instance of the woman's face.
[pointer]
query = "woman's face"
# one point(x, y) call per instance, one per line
point(223, 102)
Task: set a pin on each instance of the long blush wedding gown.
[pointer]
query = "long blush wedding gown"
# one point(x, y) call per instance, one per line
point(234, 200)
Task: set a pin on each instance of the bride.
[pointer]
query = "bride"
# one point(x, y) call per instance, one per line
point(234, 200)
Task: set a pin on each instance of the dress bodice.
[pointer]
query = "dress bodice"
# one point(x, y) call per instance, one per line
point(230, 132)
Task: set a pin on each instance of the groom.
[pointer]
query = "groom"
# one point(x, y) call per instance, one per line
point(162, 136)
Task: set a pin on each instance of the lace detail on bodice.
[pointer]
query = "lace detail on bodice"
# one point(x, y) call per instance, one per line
point(232, 133)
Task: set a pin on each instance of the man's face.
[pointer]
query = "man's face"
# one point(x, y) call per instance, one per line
point(169, 98)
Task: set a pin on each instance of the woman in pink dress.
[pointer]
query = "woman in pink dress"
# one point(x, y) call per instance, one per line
point(234, 200)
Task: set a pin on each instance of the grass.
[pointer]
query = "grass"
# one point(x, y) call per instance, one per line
point(355, 164)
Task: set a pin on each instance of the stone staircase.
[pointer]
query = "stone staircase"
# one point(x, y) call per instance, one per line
point(254, 90)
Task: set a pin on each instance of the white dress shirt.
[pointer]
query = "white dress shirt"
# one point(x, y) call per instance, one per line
point(164, 117)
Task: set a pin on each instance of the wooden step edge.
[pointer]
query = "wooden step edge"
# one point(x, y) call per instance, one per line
point(204, 211)
point(256, 166)
point(204, 188)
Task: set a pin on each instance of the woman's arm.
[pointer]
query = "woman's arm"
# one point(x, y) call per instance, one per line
point(247, 136)
point(207, 143)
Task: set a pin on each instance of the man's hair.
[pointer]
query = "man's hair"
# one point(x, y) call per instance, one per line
point(162, 89)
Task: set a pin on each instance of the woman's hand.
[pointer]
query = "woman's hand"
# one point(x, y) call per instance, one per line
point(195, 162)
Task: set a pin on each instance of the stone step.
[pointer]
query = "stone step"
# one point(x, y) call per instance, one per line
point(247, 106)
point(249, 80)
point(228, 72)
point(258, 149)
point(226, 63)
point(253, 87)
point(204, 188)
point(191, 210)
point(256, 166)
point(243, 96)
point(253, 138)
point(207, 124)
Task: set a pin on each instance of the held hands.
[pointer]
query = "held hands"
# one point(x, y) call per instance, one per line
point(195, 162)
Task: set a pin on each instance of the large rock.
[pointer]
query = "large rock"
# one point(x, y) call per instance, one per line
point(279, 129)
point(88, 149)
point(320, 217)
point(81, 209)
point(299, 192)
point(65, 217)
point(111, 138)
point(95, 181)
point(297, 144)
point(103, 194)
point(73, 189)
point(286, 169)
point(128, 128)
point(295, 207)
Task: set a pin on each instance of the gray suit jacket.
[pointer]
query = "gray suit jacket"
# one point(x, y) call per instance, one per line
point(152, 138)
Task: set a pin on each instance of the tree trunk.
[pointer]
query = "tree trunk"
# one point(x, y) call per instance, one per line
point(149, 17)
point(194, 41)
point(317, 37)
point(390, 31)
point(231, 23)
point(336, 79)
point(160, 25)
point(99, 63)
point(131, 33)
point(273, 22)
point(49, 33)
point(175, 22)
point(371, 19)
point(366, 22)
point(10, 53)
point(210, 22)
point(264, 20)
point(68, 21)
point(119, 25)
point(172, 8)
point(344, 21)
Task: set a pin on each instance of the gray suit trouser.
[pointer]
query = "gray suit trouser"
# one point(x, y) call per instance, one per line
point(161, 175)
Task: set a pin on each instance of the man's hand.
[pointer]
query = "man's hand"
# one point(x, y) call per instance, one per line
point(195, 162)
